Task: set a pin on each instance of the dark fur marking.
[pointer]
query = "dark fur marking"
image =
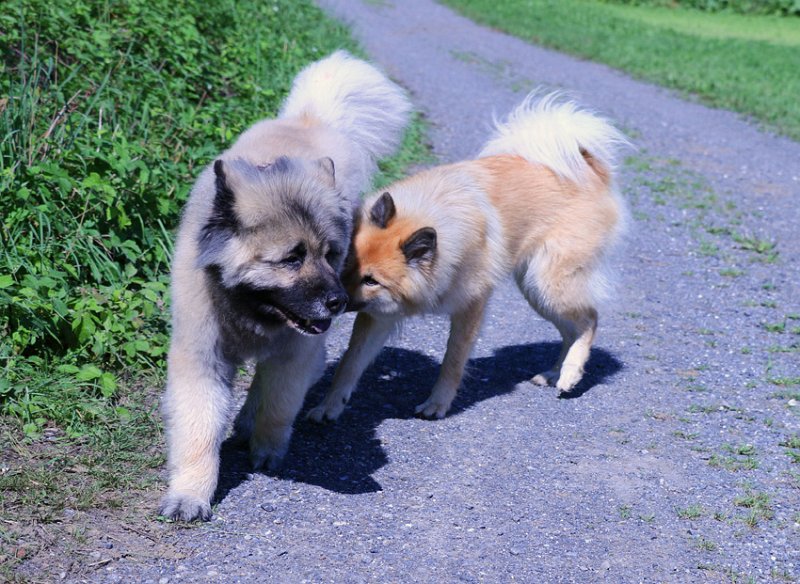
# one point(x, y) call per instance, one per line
point(382, 211)
point(223, 223)
point(281, 164)
point(239, 306)
point(421, 246)
point(301, 212)
point(328, 228)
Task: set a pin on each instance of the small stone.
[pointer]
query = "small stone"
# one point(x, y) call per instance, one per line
point(606, 565)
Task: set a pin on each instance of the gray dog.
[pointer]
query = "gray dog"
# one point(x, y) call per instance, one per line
point(260, 248)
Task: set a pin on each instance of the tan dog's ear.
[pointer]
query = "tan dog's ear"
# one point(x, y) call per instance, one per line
point(382, 211)
point(328, 169)
point(420, 247)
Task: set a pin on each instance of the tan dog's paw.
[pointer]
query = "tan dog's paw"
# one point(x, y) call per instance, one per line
point(184, 507)
point(569, 378)
point(435, 407)
point(327, 411)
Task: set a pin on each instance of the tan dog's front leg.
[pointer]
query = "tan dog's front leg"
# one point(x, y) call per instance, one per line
point(464, 327)
point(369, 336)
point(196, 413)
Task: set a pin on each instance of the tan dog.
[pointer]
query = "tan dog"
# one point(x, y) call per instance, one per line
point(539, 202)
point(256, 269)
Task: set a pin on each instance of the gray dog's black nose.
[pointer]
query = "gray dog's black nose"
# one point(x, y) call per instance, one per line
point(336, 303)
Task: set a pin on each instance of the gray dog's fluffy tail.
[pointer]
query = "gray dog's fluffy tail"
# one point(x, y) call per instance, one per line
point(354, 98)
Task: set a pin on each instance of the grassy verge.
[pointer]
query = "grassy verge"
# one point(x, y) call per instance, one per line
point(741, 62)
point(107, 111)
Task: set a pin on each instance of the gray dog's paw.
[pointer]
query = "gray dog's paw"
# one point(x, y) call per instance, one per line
point(183, 507)
point(266, 458)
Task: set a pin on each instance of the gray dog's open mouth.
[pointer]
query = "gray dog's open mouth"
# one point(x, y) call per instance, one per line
point(306, 326)
point(310, 327)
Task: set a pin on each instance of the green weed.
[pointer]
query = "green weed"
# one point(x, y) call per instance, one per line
point(792, 442)
point(758, 504)
point(691, 512)
point(763, 248)
point(774, 327)
point(733, 463)
point(704, 544)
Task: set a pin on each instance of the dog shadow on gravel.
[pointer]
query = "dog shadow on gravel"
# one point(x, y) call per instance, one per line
point(342, 456)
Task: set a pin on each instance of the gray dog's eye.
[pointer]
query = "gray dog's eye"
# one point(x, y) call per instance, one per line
point(296, 257)
point(332, 255)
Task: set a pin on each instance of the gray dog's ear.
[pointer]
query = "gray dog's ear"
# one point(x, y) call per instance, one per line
point(382, 211)
point(420, 247)
point(328, 169)
point(222, 224)
point(223, 213)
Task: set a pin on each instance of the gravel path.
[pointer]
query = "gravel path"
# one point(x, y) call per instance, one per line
point(678, 460)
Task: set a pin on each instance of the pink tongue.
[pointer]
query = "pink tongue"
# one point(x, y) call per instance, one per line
point(320, 326)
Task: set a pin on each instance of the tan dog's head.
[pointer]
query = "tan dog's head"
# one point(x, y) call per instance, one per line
point(390, 267)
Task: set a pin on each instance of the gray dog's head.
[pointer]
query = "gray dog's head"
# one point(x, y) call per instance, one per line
point(274, 244)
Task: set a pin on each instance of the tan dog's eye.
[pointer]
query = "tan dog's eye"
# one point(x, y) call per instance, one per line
point(369, 281)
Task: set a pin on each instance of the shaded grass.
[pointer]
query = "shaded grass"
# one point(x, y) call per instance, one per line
point(729, 61)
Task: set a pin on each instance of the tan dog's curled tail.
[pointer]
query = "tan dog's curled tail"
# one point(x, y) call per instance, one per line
point(578, 146)
point(555, 132)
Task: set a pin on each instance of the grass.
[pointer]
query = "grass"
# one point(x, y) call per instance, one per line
point(108, 111)
point(745, 63)
point(704, 544)
point(792, 444)
point(691, 512)
point(733, 463)
point(721, 25)
point(46, 476)
point(759, 506)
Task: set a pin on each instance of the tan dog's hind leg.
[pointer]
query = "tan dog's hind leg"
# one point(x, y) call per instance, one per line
point(281, 383)
point(582, 325)
point(561, 294)
point(550, 376)
point(369, 336)
point(464, 327)
point(196, 411)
